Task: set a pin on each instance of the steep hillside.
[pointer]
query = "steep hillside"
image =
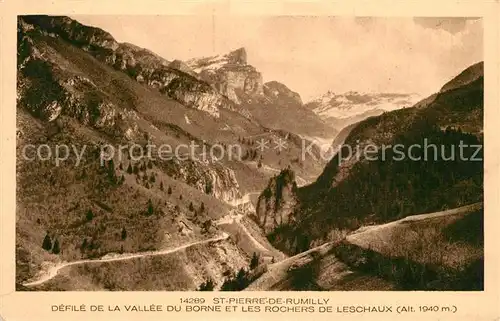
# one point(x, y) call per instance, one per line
point(468, 76)
point(434, 251)
point(382, 185)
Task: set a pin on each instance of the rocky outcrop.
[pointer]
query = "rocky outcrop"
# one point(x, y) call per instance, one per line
point(231, 81)
point(276, 203)
point(230, 74)
point(238, 56)
point(215, 180)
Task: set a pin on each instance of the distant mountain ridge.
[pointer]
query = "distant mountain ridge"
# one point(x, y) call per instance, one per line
point(343, 109)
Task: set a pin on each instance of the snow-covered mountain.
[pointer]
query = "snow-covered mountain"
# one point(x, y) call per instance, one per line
point(353, 106)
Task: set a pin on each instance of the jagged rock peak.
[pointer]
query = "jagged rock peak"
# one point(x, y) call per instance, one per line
point(238, 56)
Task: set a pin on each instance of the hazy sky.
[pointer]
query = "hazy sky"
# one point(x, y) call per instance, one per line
point(312, 55)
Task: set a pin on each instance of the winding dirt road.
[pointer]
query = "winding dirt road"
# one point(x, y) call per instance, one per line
point(54, 270)
point(228, 219)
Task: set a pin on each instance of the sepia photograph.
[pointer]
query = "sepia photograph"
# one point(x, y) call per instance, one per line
point(249, 153)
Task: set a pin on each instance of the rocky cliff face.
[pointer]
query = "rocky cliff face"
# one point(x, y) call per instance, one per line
point(276, 203)
point(140, 64)
point(216, 180)
point(230, 74)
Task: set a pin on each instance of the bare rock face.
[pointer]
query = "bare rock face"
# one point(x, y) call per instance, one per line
point(232, 81)
point(194, 94)
point(238, 56)
point(224, 185)
point(275, 205)
point(230, 74)
point(215, 180)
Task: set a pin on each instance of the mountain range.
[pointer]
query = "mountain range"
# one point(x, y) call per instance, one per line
point(183, 223)
point(341, 110)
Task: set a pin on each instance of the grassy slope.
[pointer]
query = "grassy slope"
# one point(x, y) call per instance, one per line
point(436, 251)
point(316, 270)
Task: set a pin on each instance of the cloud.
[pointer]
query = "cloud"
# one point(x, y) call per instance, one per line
point(312, 55)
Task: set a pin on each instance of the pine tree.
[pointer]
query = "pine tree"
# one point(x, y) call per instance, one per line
point(129, 168)
point(84, 245)
point(152, 178)
point(124, 233)
point(191, 207)
point(89, 216)
point(161, 186)
point(208, 188)
point(207, 286)
point(136, 169)
point(150, 207)
point(56, 248)
point(47, 243)
point(111, 171)
point(120, 166)
point(180, 197)
point(254, 262)
point(169, 191)
point(202, 207)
